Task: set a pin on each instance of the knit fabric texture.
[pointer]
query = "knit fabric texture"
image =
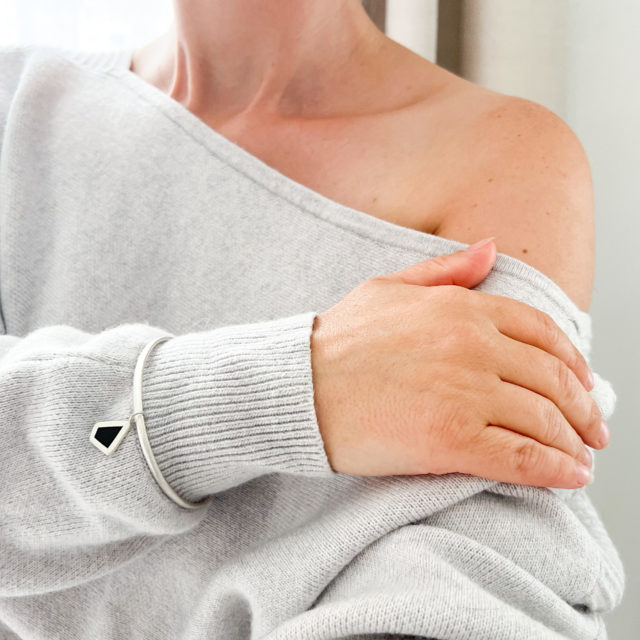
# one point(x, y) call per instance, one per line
point(124, 217)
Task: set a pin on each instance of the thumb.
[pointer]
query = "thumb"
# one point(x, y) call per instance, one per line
point(465, 268)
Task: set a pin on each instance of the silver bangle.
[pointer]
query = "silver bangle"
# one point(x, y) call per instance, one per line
point(107, 436)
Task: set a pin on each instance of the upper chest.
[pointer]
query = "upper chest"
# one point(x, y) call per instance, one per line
point(405, 166)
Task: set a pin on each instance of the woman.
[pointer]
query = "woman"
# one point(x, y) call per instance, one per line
point(408, 461)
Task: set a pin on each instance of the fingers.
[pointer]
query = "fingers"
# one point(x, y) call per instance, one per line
point(544, 374)
point(506, 456)
point(525, 323)
point(462, 268)
point(530, 414)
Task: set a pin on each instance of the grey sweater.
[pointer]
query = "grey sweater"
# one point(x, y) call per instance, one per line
point(124, 217)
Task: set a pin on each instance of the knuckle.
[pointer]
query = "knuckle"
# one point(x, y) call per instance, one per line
point(552, 426)
point(439, 264)
point(447, 293)
point(466, 337)
point(575, 358)
point(486, 304)
point(526, 458)
point(562, 377)
point(532, 464)
point(551, 330)
point(457, 332)
point(453, 291)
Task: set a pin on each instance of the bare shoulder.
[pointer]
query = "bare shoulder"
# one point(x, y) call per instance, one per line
point(526, 180)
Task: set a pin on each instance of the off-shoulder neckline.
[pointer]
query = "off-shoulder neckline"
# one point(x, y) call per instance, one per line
point(117, 62)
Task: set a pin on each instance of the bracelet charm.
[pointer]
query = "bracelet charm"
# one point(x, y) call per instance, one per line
point(107, 435)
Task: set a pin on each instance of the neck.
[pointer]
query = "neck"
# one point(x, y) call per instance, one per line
point(280, 58)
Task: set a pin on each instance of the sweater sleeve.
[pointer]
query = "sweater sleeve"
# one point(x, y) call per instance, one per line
point(221, 407)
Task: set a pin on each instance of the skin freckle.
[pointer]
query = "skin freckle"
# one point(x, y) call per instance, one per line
point(524, 251)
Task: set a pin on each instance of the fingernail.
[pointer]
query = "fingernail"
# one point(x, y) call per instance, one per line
point(583, 475)
point(478, 245)
point(590, 380)
point(604, 433)
point(591, 478)
point(586, 457)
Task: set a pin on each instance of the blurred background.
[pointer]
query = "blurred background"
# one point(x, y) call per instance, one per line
point(579, 58)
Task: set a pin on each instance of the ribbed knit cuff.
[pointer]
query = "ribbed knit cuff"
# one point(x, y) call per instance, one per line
point(227, 405)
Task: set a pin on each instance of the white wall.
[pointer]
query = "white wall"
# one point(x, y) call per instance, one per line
point(603, 107)
point(518, 48)
point(414, 23)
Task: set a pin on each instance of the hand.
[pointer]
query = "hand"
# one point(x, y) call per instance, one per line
point(414, 372)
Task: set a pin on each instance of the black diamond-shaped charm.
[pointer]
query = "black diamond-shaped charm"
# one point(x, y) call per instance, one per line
point(107, 436)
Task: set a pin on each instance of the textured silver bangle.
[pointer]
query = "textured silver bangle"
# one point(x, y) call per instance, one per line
point(107, 436)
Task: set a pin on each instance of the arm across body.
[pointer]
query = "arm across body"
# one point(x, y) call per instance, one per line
point(222, 407)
